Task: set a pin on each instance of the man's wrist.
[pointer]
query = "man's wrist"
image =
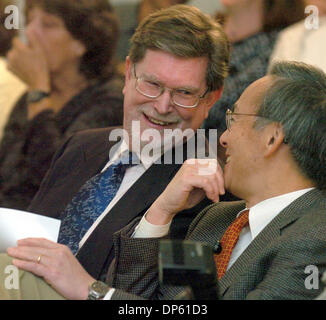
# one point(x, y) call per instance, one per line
point(158, 216)
point(147, 230)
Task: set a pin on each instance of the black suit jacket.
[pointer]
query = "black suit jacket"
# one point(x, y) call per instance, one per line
point(81, 157)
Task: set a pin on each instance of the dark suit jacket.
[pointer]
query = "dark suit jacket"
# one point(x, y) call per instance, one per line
point(81, 157)
point(272, 266)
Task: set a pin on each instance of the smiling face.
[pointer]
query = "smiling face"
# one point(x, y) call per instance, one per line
point(160, 113)
point(244, 144)
point(60, 48)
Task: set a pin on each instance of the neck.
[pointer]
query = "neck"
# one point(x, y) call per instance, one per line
point(242, 22)
point(67, 83)
point(276, 184)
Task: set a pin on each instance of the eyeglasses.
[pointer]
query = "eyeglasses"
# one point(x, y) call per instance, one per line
point(180, 97)
point(229, 119)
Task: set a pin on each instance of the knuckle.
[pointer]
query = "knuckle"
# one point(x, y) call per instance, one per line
point(190, 162)
point(61, 252)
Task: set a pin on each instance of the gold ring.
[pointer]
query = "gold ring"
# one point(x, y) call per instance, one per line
point(39, 258)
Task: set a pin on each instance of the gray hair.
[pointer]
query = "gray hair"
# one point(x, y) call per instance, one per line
point(185, 32)
point(297, 100)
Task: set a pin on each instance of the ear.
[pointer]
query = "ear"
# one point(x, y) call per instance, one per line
point(274, 137)
point(128, 68)
point(128, 73)
point(211, 98)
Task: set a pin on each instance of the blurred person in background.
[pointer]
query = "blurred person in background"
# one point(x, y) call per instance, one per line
point(305, 40)
point(11, 87)
point(252, 27)
point(130, 14)
point(146, 7)
point(68, 68)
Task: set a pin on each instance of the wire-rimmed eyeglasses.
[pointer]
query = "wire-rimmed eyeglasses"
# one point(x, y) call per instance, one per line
point(180, 97)
point(229, 119)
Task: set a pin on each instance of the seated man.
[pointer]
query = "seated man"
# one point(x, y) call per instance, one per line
point(276, 151)
point(170, 86)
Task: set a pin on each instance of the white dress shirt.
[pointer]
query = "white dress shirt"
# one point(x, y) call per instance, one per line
point(260, 216)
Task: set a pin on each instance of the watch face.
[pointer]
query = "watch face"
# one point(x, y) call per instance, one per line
point(98, 290)
point(99, 286)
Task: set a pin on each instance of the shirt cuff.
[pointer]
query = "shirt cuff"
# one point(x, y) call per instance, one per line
point(148, 230)
point(109, 294)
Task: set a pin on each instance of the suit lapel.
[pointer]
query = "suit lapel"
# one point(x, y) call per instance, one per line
point(134, 202)
point(268, 235)
point(71, 170)
point(96, 156)
point(222, 215)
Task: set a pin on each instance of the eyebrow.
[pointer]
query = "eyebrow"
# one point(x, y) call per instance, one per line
point(187, 88)
point(151, 77)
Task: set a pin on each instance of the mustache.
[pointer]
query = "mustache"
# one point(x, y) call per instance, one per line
point(152, 113)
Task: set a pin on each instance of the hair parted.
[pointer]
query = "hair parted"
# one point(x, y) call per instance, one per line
point(185, 32)
point(297, 100)
point(94, 24)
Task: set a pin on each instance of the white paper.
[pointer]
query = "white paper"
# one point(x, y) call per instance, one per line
point(16, 225)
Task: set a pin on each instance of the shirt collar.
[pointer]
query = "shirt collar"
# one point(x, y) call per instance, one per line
point(145, 160)
point(261, 214)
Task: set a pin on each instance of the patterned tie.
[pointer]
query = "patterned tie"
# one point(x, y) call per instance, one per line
point(229, 241)
point(90, 201)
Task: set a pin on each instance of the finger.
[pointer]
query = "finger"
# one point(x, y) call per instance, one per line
point(34, 41)
point(201, 173)
point(36, 268)
point(17, 44)
point(35, 255)
point(207, 183)
point(38, 242)
point(220, 178)
point(211, 167)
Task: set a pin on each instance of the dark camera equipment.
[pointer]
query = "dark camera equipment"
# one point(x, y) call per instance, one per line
point(191, 264)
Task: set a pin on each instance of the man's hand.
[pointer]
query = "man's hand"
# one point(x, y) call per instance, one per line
point(55, 263)
point(196, 178)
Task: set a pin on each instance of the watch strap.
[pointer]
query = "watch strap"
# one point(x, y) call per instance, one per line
point(34, 96)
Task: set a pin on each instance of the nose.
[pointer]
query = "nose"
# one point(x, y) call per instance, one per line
point(223, 138)
point(163, 103)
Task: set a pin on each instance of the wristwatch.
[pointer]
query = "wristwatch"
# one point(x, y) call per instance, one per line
point(36, 96)
point(97, 290)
